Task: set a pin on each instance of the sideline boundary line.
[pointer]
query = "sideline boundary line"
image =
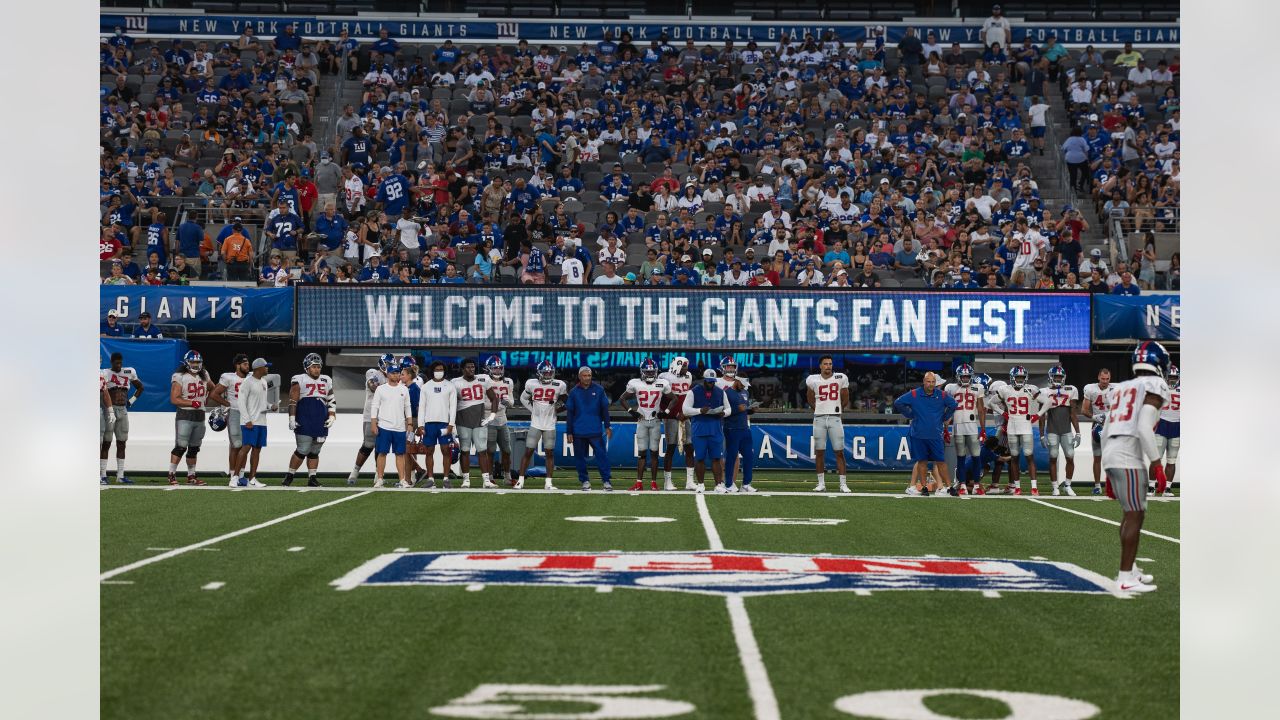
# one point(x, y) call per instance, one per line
point(1102, 519)
point(227, 536)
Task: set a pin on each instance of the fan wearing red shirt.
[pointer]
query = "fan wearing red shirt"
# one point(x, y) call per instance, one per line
point(109, 246)
point(307, 192)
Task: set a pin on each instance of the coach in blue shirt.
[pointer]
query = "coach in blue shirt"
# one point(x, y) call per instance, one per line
point(928, 408)
point(707, 406)
point(587, 427)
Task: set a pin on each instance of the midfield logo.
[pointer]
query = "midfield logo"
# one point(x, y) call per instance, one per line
point(723, 572)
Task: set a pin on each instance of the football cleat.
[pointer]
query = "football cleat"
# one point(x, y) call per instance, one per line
point(1015, 491)
point(1034, 491)
point(546, 371)
point(1144, 577)
point(1097, 489)
point(721, 489)
point(377, 482)
point(844, 488)
point(911, 490)
point(1055, 490)
point(193, 361)
point(548, 485)
point(648, 370)
point(102, 481)
point(728, 366)
point(820, 487)
point(1018, 376)
point(494, 367)
point(518, 484)
point(669, 486)
point(964, 375)
point(489, 485)
point(235, 482)
point(733, 489)
point(193, 480)
point(122, 480)
point(699, 488)
point(1133, 585)
point(748, 488)
point(979, 490)
point(688, 485)
point(173, 479)
point(466, 482)
point(1066, 488)
point(253, 483)
point(637, 487)
point(962, 490)
point(313, 482)
point(653, 486)
point(404, 484)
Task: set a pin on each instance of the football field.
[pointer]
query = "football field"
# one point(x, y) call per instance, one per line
point(344, 603)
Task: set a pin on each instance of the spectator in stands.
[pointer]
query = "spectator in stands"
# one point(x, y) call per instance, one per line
point(1126, 286)
point(1075, 152)
point(1097, 283)
point(144, 329)
point(995, 29)
point(110, 326)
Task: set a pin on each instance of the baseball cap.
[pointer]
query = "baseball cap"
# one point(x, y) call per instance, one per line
point(684, 258)
point(706, 252)
point(259, 363)
point(630, 277)
point(1095, 252)
point(112, 313)
point(708, 374)
point(144, 314)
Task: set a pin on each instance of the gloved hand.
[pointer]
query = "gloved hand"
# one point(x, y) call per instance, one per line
point(634, 413)
point(982, 435)
point(1099, 418)
point(1044, 441)
point(1157, 472)
point(328, 422)
point(132, 400)
point(488, 419)
point(1004, 416)
point(195, 404)
point(946, 437)
point(1033, 418)
point(1075, 440)
point(293, 424)
point(111, 417)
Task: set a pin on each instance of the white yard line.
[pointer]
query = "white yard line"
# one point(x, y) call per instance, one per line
point(1102, 519)
point(762, 697)
point(211, 541)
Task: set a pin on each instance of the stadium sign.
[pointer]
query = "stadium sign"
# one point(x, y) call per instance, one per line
point(1154, 316)
point(722, 572)
point(642, 30)
point(710, 318)
point(203, 309)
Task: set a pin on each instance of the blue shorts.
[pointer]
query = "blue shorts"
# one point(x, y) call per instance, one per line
point(926, 449)
point(389, 441)
point(1037, 132)
point(432, 431)
point(255, 436)
point(710, 447)
point(1168, 428)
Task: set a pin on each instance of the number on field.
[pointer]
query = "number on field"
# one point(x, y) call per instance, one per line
point(510, 702)
point(910, 705)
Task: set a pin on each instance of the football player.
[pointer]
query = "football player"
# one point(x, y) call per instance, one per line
point(437, 411)
point(643, 399)
point(1168, 434)
point(312, 411)
point(225, 394)
point(188, 391)
point(106, 418)
point(119, 381)
point(477, 400)
point(1129, 452)
point(1020, 416)
point(968, 428)
point(828, 394)
point(1094, 407)
point(499, 434)
point(373, 377)
point(677, 425)
point(543, 397)
point(1059, 426)
point(737, 426)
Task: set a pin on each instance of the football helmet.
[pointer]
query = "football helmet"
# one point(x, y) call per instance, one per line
point(218, 419)
point(983, 379)
point(648, 370)
point(1151, 356)
point(1017, 376)
point(546, 371)
point(1174, 377)
point(408, 361)
point(385, 361)
point(1057, 376)
point(450, 445)
point(728, 366)
point(193, 361)
point(494, 367)
point(964, 375)
point(679, 364)
point(312, 360)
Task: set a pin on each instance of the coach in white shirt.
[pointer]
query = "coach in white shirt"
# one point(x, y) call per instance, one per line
point(251, 401)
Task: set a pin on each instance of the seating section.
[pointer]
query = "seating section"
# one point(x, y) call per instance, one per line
point(807, 161)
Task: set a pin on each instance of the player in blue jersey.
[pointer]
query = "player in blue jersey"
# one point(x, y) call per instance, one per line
point(312, 411)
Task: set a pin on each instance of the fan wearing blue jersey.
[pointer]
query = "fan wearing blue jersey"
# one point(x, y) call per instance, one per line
point(312, 411)
point(393, 192)
point(283, 229)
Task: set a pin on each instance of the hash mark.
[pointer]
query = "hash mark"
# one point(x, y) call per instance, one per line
point(400, 550)
point(1146, 560)
point(212, 586)
point(1038, 557)
point(475, 587)
point(991, 594)
point(604, 588)
point(297, 548)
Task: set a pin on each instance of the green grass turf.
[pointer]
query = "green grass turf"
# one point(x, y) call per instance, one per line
point(278, 642)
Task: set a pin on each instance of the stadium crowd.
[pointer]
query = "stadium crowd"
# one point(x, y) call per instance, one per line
point(807, 162)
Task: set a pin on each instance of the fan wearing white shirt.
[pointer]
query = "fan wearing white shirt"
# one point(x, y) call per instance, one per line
point(572, 272)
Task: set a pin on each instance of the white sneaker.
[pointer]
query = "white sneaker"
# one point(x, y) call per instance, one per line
point(489, 485)
point(691, 485)
point(845, 489)
point(1143, 576)
point(404, 484)
point(1055, 489)
point(377, 482)
point(586, 487)
point(519, 484)
point(1167, 493)
point(1134, 585)
point(1066, 487)
point(749, 488)
point(351, 480)
point(911, 490)
point(669, 486)
point(721, 489)
point(698, 488)
point(235, 481)
point(733, 489)
point(466, 483)
point(549, 485)
point(255, 484)
point(820, 487)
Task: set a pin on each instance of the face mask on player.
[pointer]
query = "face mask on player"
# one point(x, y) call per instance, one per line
point(1175, 377)
point(649, 371)
point(1018, 378)
point(194, 362)
point(729, 368)
point(438, 374)
point(494, 367)
point(1057, 377)
point(964, 375)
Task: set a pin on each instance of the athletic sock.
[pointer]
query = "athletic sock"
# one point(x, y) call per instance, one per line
point(484, 477)
point(843, 481)
point(173, 467)
point(688, 474)
point(822, 478)
point(119, 468)
point(666, 476)
point(521, 479)
point(102, 467)
point(311, 474)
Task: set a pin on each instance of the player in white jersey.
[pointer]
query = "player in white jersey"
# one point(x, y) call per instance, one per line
point(477, 400)
point(643, 399)
point(373, 377)
point(499, 434)
point(119, 380)
point(225, 394)
point(676, 427)
point(1059, 427)
point(312, 410)
point(828, 394)
point(1168, 429)
point(1094, 407)
point(543, 397)
point(1129, 452)
point(968, 428)
point(437, 411)
point(1018, 398)
point(188, 391)
point(106, 418)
